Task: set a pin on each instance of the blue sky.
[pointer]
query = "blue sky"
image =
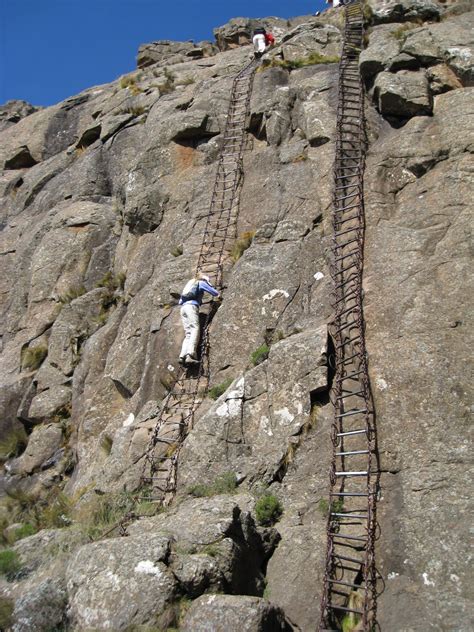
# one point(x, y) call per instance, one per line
point(52, 49)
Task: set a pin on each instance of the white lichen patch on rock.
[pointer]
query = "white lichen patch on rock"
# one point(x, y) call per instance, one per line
point(273, 293)
point(147, 567)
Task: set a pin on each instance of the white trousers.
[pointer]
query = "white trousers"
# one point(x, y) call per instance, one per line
point(259, 43)
point(190, 320)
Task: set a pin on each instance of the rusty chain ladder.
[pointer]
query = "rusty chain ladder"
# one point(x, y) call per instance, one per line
point(175, 419)
point(349, 589)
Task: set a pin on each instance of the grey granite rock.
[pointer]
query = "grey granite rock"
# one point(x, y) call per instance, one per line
point(42, 608)
point(13, 111)
point(134, 203)
point(403, 10)
point(403, 95)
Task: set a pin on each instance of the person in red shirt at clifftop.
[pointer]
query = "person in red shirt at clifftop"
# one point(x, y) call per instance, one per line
point(269, 39)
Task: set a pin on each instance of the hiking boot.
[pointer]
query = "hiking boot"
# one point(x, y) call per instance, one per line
point(191, 360)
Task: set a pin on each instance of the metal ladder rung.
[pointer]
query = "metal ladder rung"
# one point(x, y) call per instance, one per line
point(355, 340)
point(350, 394)
point(352, 452)
point(355, 538)
point(347, 230)
point(350, 376)
point(352, 516)
point(351, 559)
point(353, 308)
point(350, 413)
point(356, 473)
point(351, 433)
point(354, 494)
point(348, 325)
point(345, 609)
point(342, 583)
point(349, 254)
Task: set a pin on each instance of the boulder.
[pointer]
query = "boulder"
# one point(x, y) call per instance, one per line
point(239, 31)
point(20, 159)
point(442, 79)
point(48, 402)
point(13, 111)
point(43, 442)
point(168, 52)
point(382, 48)
point(105, 578)
point(403, 95)
point(221, 613)
point(303, 41)
point(42, 608)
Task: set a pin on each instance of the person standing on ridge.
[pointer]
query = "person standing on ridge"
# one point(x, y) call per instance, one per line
point(190, 301)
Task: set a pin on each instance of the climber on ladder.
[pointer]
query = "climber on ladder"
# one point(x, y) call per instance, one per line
point(261, 39)
point(190, 301)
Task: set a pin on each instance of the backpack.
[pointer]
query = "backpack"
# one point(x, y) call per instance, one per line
point(191, 291)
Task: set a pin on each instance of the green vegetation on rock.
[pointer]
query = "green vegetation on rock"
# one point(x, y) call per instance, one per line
point(224, 484)
point(6, 612)
point(216, 391)
point(32, 357)
point(293, 64)
point(243, 242)
point(260, 354)
point(13, 444)
point(10, 564)
point(268, 509)
point(74, 292)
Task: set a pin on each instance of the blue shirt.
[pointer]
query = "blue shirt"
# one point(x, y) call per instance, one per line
point(202, 286)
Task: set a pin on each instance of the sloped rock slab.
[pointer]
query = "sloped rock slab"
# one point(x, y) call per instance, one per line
point(222, 613)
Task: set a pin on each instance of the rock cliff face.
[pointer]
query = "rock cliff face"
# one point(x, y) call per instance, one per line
point(103, 198)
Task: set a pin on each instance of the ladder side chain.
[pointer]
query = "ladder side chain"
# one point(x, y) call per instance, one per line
point(349, 587)
point(175, 419)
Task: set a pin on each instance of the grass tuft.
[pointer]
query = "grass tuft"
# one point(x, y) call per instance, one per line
point(10, 564)
point(310, 60)
point(7, 606)
point(130, 82)
point(224, 484)
point(216, 391)
point(241, 245)
point(177, 252)
point(401, 32)
point(335, 506)
point(351, 621)
point(106, 444)
point(114, 284)
point(32, 357)
point(100, 512)
point(13, 444)
point(24, 531)
point(134, 110)
point(71, 294)
point(260, 354)
point(268, 510)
